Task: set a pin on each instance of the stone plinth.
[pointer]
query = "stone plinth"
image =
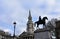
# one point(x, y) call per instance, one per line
point(42, 34)
point(57, 29)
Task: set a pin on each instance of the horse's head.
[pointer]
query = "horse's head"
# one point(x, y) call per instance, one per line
point(45, 18)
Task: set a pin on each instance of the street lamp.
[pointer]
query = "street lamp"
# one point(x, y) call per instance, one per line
point(14, 29)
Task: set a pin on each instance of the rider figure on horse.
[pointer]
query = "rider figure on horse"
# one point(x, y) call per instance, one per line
point(39, 18)
point(41, 21)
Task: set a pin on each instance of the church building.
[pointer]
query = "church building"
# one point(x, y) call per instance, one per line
point(29, 34)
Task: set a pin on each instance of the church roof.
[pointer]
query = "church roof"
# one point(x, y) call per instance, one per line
point(25, 34)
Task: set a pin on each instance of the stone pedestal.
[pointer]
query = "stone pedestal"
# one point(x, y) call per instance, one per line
point(42, 34)
point(57, 29)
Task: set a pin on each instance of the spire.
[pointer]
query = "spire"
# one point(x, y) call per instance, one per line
point(30, 27)
point(30, 17)
point(29, 13)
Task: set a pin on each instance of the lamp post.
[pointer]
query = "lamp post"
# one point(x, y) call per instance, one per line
point(14, 29)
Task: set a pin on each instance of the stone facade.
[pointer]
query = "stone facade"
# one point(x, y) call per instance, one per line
point(57, 29)
point(42, 34)
point(25, 35)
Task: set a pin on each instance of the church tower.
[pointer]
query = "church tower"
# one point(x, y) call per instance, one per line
point(30, 27)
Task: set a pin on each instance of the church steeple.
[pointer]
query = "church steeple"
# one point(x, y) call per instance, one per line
point(30, 17)
point(30, 27)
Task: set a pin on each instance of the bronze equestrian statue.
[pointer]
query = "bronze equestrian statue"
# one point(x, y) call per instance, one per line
point(41, 21)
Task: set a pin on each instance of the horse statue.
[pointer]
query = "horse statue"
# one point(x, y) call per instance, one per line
point(41, 21)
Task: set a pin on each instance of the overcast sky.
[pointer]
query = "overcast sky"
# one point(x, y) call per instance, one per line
point(18, 10)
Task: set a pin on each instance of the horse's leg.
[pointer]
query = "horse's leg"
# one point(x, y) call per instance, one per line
point(37, 26)
point(43, 25)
